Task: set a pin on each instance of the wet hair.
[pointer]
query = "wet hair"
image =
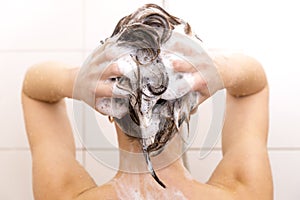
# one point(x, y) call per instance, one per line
point(144, 31)
point(154, 18)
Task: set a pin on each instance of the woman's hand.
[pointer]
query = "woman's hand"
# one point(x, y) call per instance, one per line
point(53, 81)
point(240, 74)
point(95, 78)
point(194, 59)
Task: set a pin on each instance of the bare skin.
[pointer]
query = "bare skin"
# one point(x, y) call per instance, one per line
point(243, 173)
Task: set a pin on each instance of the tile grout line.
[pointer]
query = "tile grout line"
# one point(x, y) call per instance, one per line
point(81, 50)
point(27, 149)
point(269, 149)
point(40, 50)
point(114, 149)
point(194, 149)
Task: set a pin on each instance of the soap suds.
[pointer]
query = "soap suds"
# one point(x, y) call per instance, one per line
point(135, 187)
point(150, 101)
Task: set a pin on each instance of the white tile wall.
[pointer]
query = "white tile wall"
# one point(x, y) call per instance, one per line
point(15, 173)
point(76, 117)
point(99, 133)
point(98, 168)
point(40, 25)
point(206, 123)
point(13, 68)
point(255, 27)
point(33, 31)
point(285, 166)
point(202, 168)
point(102, 17)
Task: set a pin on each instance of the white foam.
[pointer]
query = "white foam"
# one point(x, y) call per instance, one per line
point(110, 107)
point(127, 66)
point(136, 188)
point(179, 83)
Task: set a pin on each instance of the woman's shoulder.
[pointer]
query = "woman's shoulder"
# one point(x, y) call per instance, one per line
point(193, 190)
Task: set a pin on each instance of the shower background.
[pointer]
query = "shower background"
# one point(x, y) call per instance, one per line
point(33, 31)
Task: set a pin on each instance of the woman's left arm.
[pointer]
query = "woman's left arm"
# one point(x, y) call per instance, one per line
point(56, 173)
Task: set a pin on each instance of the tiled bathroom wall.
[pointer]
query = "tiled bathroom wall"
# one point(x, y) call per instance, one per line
point(33, 31)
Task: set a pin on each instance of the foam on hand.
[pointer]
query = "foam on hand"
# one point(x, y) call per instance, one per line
point(180, 83)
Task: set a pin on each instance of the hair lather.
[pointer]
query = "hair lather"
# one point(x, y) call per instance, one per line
point(151, 117)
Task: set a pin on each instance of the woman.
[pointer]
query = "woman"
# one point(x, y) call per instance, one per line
point(243, 173)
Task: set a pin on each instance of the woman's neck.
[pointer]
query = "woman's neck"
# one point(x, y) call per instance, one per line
point(134, 179)
point(174, 174)
point(132, 159)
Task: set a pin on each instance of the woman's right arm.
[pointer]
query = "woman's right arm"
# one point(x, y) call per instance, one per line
point(245, 165)
point(242, 75)
point(245, 162)
point(247, 97)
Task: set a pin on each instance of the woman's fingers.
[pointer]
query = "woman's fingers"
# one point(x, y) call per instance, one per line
point(183, 66)
point(190, 50)
point(193, 64)
point(104, 89)
point(200, 84)
point(111, 71)
point(107, 53)
point(199, 79)
point(205, 73)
